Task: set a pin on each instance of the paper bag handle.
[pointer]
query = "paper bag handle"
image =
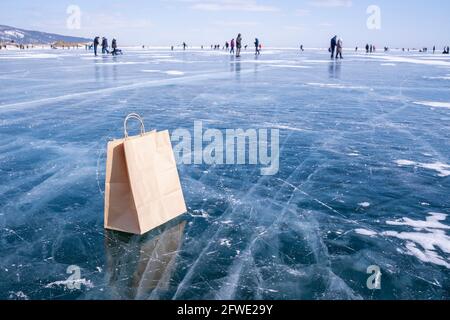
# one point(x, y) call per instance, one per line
point(136, 117)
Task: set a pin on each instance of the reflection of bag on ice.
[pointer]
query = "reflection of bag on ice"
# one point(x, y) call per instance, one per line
point(142, 267)
point(142, 190)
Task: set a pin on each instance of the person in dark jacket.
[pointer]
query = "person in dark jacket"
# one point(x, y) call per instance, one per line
point(96, 43)
point(238, 45)
point(257, 47)
point(105, 45)
point(115, 50)
point(333, 46)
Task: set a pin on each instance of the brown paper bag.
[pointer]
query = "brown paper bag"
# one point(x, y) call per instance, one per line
point(142, 189)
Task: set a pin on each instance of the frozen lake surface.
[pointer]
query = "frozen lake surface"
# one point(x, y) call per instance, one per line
point(364, 176)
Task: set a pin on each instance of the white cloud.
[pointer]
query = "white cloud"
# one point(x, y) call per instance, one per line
point(331, 3)
point(230, 5)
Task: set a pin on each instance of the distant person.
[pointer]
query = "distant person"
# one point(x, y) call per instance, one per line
point(434, 49)
point(114, 47)
point(339, 46)
point(245, 47)
point(184, 45)
point(301, 48)
point(171, 48)
point(367, 48)
point(238, 45)
point(356, 49)
point(105, 45)
point(227, 45)
point(232, 45)
point(96, 44)
point(446, 50)
point(115, 50)
point(333, 44)
point(257, 48)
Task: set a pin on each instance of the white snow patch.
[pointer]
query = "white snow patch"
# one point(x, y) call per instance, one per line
point(366, 232)
point(200, 214)
point(433, 104)
point(71, 283)
point(364, 204)
point(175, 73)
point(225, 242)
point(16, 34)
point(429, 236)
point(432, 222)
point(438, 78)
point(441, 168)
point(429, 241)
point(426, 256)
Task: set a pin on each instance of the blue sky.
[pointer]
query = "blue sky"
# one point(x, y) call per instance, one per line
point(404, 23)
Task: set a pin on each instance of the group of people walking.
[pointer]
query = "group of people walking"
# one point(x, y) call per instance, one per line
point(370, 48)
point(237, 44)
point(235, 47)
point(336, 46)
point(105, 47)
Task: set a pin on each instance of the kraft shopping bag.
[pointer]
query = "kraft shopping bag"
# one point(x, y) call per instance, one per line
point(142, 189)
